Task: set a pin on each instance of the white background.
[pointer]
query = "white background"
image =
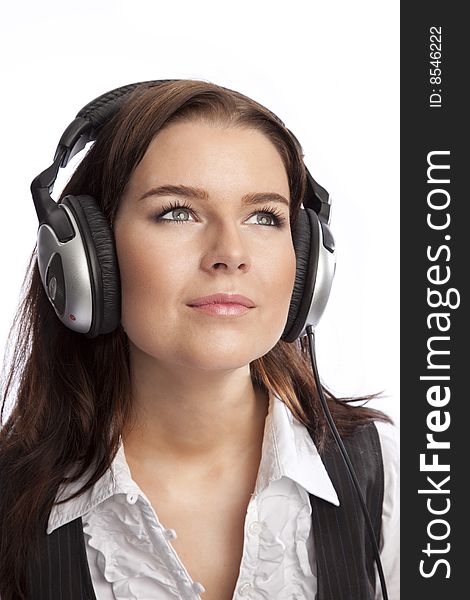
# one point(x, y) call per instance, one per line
point(329, 70)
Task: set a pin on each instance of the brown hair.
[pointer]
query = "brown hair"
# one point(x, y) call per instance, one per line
point(72, 395)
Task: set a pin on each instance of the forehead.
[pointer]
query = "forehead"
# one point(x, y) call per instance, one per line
point(200, 154)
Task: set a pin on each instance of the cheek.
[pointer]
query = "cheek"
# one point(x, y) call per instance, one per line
point(277, 275)
point(292, 266)
point(286, 262)
point(135, 264)
point(148, 274)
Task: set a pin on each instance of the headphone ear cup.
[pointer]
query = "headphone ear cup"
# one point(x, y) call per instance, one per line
point(315, 267)
point(98, 240)
point(301, 234)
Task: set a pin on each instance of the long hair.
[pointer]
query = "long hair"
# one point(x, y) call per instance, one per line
point(71, 394)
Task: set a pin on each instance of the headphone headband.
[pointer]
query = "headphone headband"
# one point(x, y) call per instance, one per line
point(85, 128)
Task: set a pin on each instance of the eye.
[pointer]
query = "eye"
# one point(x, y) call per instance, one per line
point(267, 218)
point(270, 217)
point(178, 213)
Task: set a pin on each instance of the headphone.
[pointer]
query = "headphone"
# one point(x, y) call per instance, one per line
point(76, 252)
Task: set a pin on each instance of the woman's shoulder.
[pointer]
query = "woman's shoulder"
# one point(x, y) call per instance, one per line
point(375, 450)
point(390, 444)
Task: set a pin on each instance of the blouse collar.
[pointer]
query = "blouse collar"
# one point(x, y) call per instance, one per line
point(287, 451)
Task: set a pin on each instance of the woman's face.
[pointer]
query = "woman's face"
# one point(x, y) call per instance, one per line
point(219, 245)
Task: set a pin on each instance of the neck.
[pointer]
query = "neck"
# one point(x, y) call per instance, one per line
point(190, 418)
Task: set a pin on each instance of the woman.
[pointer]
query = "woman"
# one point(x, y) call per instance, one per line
point(184, 443)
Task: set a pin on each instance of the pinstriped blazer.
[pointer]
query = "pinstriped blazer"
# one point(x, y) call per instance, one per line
point(345, 562)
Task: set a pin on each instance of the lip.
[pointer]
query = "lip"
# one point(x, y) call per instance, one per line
point(223, 301)
point(222, 310)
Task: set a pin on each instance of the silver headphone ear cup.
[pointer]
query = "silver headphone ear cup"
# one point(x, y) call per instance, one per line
point(81, 275)
point(325, 272)
point(63, 267)
point(315, 267)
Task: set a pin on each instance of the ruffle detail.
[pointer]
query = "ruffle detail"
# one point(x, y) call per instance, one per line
point(281, 562)
point(128, 558)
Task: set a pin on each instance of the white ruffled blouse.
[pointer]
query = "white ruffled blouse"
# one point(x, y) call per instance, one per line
point(129, 550)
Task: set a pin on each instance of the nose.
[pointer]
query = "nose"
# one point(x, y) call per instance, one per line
point(225, 248)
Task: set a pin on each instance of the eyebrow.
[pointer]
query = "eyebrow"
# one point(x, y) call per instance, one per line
point(192, 192)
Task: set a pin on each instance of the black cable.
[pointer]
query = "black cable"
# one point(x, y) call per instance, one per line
point(344, 454)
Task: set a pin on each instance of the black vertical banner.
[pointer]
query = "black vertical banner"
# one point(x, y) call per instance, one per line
point(435, 360)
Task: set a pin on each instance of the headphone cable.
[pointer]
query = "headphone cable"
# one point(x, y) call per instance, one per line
point(344, 454)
